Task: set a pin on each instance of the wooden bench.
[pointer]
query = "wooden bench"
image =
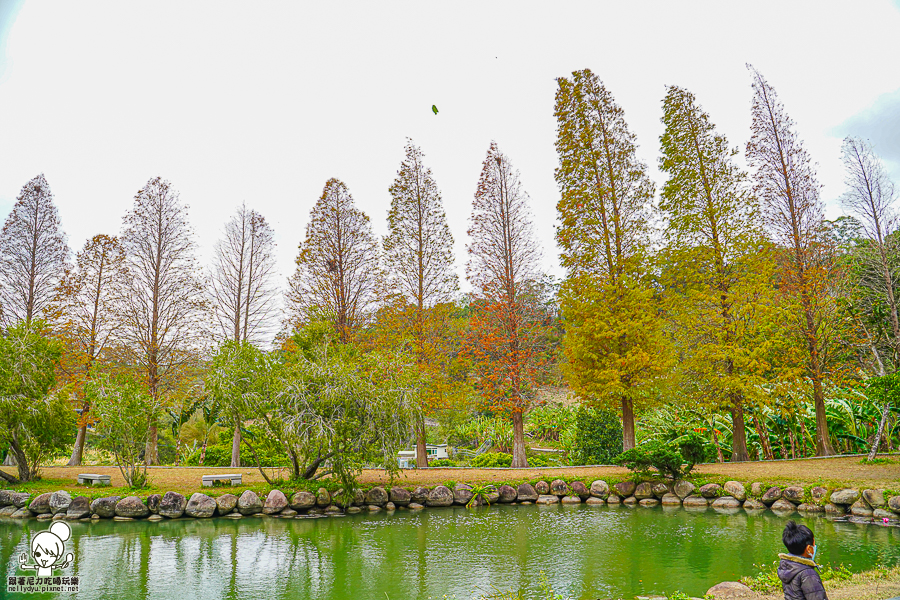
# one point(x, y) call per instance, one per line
point(94, 479)
point(208, 480)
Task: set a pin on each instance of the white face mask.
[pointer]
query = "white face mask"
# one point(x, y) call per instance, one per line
point(815, 549)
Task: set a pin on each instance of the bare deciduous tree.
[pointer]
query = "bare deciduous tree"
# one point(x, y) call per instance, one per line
point(870, 196)
point(33, 254)
point(164, 309)
point(242, 286)
point(87, 301)
point(337, 266)
point(787, 188)
point(418, 255)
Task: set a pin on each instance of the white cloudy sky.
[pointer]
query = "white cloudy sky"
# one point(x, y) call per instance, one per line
point(262, 102)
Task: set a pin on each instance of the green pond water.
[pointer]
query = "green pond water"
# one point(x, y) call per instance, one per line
point(585, 552)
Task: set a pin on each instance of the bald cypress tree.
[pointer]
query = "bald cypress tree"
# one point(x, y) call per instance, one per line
point(33, 254)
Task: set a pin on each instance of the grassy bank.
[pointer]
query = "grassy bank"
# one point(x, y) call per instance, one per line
point(834, 472)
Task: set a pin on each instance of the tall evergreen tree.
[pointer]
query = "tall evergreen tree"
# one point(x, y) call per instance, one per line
point(789, 193)
point(614, 341)
point(33, 254)
point(337, 272)
point(717, 274)
point(418, 256)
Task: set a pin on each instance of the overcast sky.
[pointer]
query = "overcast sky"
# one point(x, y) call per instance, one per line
point(264, 101)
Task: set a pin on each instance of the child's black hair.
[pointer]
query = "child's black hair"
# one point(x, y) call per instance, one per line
point(796, 538)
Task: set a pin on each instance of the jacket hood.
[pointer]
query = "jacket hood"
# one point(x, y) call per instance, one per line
point(791, 566)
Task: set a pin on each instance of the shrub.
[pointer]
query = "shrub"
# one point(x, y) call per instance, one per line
point(491, 459)
point(538, 460)
point(442, 462)
point(695, 449)
point(667, 459)
point(598, 437)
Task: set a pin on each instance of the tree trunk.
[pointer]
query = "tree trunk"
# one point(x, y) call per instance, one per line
point(628, 440)
point(763, 438)
point(151, 456)
point(823, 440)
point(738, 434)
point(78, 449)
point(25, 473)
point(519, 458)
point(236, 447)
point(421, 450)
point(877, 442)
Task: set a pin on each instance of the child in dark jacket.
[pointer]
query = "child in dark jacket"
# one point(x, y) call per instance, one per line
point(797, 570)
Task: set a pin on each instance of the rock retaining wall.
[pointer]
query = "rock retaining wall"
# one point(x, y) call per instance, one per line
point(864, 505)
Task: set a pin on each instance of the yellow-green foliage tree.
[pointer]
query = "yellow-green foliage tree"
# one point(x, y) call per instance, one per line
point(716, 267)
point(614, 341)
point(418, 257)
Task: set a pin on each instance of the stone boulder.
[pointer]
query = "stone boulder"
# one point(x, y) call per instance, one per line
point(614, 499)
point(736, 490)
point(559, 487)
point(41, 504)
point(625, 488)
point(731, 590)
point(79, 508)
point(726, 502)
point(649, 502)
point(683, 489)
point(507, 494)
point(359, 497)
point(794, 494)
point(810, 507)
point(416, 506)
point(846, 496)
point(400, 496)
point(860, 509)
point(59, 502)
point(894, 504)
point(390, 506)
point(440, 496)
point(247, 504)
point(526, 493)
point(695, 502)
point(600, 489)
point(276, 502)
point(547, 499)
point(711, 490)
point(4, 498)
point(226, 503)
point(571, 499)
point(874, 498)
point(153, 503)
point(462, 493)
point(661, 489)
point(201, 506)
point(783, 506)
point(19, 499)
point(880, 513)
point(323, 498)
point(753, 504)
point(377, 496)
point(630, 501)
point(757, 489)
point(132, 507)
point(772, 494)
point(303, 501)
point(671, 500)
point(419, 495)
point(835, 509)
point(7, 510)
point(172, 505)
point(105, 507)
point(21, 513)
point(595, 501)
point(643, 491)
point(819, 494)
point(580, 490)
point(542, 487)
